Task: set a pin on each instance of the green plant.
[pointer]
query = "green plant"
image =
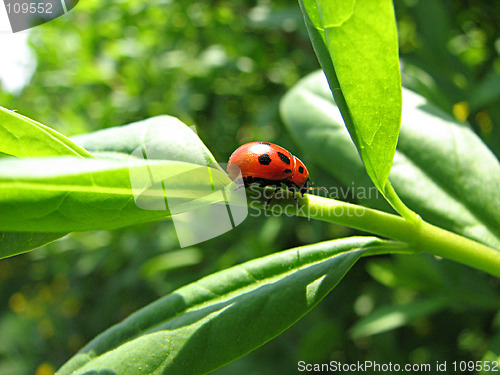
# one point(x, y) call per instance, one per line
point(205, 324)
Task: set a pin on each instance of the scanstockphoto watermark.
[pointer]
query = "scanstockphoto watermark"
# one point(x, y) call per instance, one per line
point(445, 367)
point(365, 367)
point(256, 210)
point(257, 195)
point(351, 193)
point(342, 193)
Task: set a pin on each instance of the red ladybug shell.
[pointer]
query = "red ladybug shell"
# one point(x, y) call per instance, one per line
point(267, 163)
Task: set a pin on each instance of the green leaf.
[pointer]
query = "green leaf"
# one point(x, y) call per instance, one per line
point(64, 194)
point(72, 194)
point(442, 170)
point(13, 243)
point(394, 316)
point(161, 137)
point(357, 45)
point(220, 318)
point(23, 137)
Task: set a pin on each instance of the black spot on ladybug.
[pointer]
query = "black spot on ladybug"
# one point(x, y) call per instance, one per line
point(264, 159)
point(288, 170)
point(265, 143)
point(284, 158)
point(301, 169)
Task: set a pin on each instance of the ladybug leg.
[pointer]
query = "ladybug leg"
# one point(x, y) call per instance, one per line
point(294, 192)
point(278, 187)
point(295, 196)
point(247, 182)
point(240, 187)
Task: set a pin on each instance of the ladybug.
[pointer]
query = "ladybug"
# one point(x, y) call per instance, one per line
point(267, 164)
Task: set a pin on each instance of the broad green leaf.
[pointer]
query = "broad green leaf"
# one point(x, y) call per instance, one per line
point(143, 171)
point(73, 194)
point(220, 318)
point(357, 45)
point(442, 170)
point(23, 137)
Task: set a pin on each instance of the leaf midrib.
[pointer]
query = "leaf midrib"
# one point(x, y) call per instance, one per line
point(65, 188)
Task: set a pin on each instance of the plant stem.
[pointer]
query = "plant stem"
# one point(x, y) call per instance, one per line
point(449, 245)
point(419, 235)
point(396, 202)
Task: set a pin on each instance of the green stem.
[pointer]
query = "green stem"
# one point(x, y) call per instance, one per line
point(420, 235)
point(396, 202)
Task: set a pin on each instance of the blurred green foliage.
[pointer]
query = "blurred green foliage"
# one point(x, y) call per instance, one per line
point(224, 65)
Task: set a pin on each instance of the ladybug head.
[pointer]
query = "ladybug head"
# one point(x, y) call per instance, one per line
point(300, 175)
point(305, 188)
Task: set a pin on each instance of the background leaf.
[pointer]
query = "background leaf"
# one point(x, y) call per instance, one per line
point(394, 316)
point(219, 318)
point(439, 289)
point(442, 170)
point(357, 45)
